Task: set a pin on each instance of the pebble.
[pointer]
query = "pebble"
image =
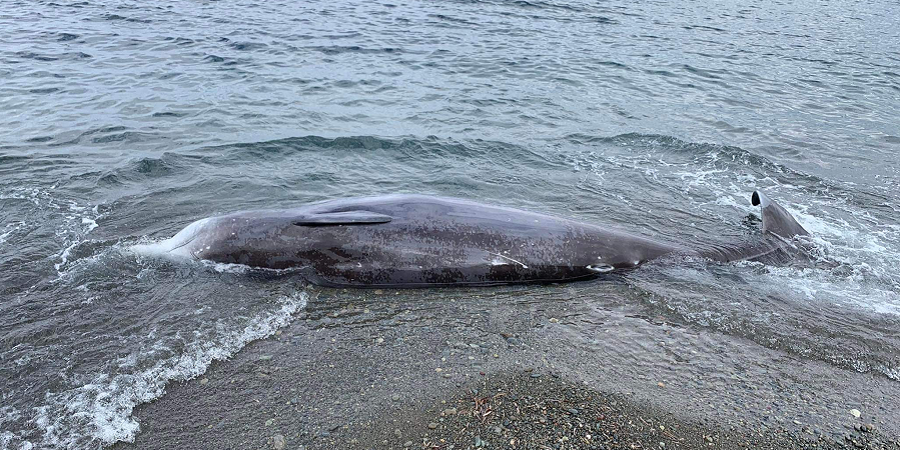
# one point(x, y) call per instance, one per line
point(204, 381)
point(379, 340)
point(278, 442)
point(378, 292)
point(408, 444)
point(661, 384)
point(554, 320)
point(432, 425)
point(270, 422)
point(480, 442)
point(395, 397)
point(855, 413)
point(449, 411)
point(265, 357)
point(572, 411)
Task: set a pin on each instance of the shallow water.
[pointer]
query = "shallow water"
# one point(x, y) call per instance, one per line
point(122, 122)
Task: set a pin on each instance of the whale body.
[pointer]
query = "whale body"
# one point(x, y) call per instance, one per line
point(423, 241)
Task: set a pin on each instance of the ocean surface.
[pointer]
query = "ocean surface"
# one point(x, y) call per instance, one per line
point(123, 121)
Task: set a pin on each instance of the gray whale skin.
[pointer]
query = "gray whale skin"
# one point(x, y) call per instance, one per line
point(424, 241)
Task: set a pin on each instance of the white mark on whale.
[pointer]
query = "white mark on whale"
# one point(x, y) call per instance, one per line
point(508, 258)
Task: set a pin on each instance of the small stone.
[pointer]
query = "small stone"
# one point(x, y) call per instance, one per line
point(449, 411)
point(278, 442)
point(572, 411)
point(496, 355)
point(797, 422)
point(204, 381)
point(379, 340)
point(378, 292)
point(438, 370)
point(270, 422)
point(535, 375)
point(432, 425)
point(265, 357)
point(661, 384)
point(395, 397)
point(867, 428)
point(855, 413)
point(554, 320)
point(408, 444)
point(480, 442)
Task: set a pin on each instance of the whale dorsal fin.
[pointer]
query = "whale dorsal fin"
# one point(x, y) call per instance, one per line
point(775, 219)
point(776, 247)
point(341, 218)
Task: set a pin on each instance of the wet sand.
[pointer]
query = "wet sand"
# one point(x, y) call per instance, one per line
point(361, 370)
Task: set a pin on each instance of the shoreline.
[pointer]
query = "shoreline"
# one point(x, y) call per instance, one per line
point(342, 376)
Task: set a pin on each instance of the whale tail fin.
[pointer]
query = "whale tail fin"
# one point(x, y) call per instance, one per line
point(777, 245)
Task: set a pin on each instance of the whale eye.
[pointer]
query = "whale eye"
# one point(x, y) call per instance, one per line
point(600, 268)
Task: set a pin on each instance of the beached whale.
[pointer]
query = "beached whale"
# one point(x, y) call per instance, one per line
point(420, 241)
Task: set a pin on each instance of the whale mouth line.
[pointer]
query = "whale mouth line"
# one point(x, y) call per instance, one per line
point(182, 245)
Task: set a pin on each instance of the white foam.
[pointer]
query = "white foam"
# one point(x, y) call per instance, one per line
point(12, 227)
point(64, 257)
point(9, 414)
point(100, 411)
point(91, 224)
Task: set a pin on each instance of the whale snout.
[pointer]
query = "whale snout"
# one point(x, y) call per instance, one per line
point(178, 246)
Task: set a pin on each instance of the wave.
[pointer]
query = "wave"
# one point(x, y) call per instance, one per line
point(99, 411)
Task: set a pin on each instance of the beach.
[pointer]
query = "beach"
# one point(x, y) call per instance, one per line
point(499, 381)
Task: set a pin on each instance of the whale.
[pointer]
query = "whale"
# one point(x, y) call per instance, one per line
point(411, 240)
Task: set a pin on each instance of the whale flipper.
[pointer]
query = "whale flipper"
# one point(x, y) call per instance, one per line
point(775, 219)
point(341, 218)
